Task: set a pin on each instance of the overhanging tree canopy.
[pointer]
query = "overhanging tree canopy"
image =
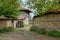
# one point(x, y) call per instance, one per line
point(9, 8)
point(41, 6)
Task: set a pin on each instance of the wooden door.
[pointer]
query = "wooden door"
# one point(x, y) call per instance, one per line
point(19, 24)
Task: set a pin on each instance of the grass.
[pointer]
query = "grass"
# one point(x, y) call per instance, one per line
point(9, 29)
point(43, 31)
point(22, 30)
point(37, 30)
point(34, 29)
point(54, 33)
point(28, 25)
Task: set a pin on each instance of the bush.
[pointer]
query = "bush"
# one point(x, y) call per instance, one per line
point(9, 29)
point(34, 29)
point(54, 33)
point(1, 31)
point(22, 30)
point(37, 30)
point(28, 25)
point(42, 31)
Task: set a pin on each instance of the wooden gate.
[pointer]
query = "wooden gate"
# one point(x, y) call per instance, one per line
point(19, 24)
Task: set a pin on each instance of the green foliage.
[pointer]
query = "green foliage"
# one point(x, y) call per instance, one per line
point(34, 29)
point(37, 30)
point(22, 30)
point(54, 33)
point(9, 8)
point(9, 29)
point(41, 6)
point(42, 31)
point(28, 25)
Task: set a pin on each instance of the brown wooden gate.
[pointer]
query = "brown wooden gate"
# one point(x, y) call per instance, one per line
point(19, 24)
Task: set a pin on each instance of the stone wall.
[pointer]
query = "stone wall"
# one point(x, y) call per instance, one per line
point(26, 21)
point(51, 21)
point(5, 23)
point(2, 24)
point(8, 23)
point(15, 23)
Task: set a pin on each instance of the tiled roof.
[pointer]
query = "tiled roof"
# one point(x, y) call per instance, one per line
point(23, 16)
point(25, 10)
point(5, 18)
point(49, 12)
point(53, 11)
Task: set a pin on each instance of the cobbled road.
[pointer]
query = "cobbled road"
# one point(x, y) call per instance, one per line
point(26, 35)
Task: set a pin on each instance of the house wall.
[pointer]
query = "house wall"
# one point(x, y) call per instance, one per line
point(8, 23)
point(2, 23)
point(15, 23)
point(26, 21)
point(24, 17)
point(49, 22)
point(5, 23)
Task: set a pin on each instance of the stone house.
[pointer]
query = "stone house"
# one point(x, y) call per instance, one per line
point(23, 18)
point(20, 21)
point(50, 20)
point(6, 22)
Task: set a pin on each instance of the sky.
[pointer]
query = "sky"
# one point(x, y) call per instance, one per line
point(26, 7)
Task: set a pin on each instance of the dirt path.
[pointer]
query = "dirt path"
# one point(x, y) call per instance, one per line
point(24, 35)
